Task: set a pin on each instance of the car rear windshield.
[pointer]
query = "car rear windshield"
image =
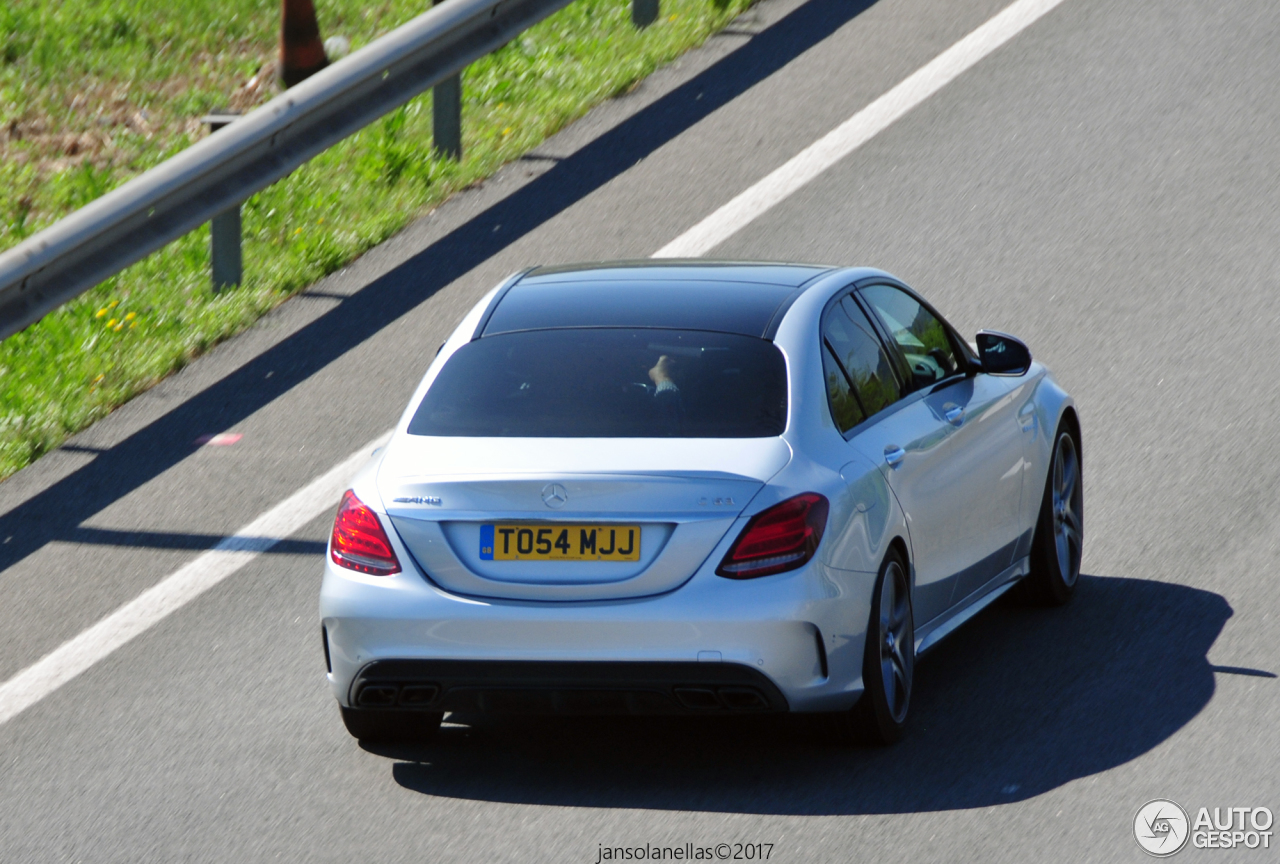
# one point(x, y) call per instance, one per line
point(608, 383)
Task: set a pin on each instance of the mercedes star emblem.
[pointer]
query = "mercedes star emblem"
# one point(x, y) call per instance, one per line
point(554, 496)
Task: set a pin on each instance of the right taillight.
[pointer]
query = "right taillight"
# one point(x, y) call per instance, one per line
point(781, 538)
point(358, 542)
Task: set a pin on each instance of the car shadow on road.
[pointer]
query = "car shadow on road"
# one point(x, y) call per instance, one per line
point(1019, 702)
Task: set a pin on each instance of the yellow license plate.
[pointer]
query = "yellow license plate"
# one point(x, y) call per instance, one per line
point(559, 542)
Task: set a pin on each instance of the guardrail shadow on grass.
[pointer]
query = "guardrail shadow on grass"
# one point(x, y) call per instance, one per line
point(1017, 703)
point(53, 513)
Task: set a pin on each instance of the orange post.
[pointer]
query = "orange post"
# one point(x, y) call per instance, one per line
point(301, 51)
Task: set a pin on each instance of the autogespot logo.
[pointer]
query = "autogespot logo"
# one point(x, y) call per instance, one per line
point(1161, 828)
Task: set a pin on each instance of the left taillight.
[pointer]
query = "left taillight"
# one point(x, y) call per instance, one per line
point(781, 538)
point(358, 542)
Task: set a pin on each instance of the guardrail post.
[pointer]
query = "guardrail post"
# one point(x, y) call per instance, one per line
point(446, 117)
point(644, 12)
point(225, 255)
point(224, 229)
point(446, 114)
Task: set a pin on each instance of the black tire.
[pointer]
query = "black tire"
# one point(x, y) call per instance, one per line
point(391, 727)
point(888, 665)
point(1058, 543)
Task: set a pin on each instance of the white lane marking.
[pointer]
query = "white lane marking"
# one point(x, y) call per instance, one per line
point(184, 585)
point(856, 131)
point(179, 588)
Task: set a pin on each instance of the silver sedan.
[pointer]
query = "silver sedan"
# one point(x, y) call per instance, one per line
point(698, 488)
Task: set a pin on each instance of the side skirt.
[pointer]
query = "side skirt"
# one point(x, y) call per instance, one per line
point(936, 631)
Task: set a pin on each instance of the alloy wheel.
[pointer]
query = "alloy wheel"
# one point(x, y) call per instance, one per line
point(1068, 501)
point(896, 641)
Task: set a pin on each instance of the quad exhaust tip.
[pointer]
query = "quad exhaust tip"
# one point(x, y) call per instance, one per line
point(721, 698)
point(392, 695)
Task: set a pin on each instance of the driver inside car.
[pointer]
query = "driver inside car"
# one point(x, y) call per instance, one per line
point(666, 393)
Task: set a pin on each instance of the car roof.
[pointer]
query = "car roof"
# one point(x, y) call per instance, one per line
point(731, 297)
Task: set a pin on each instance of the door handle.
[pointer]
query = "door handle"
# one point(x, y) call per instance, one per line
point(893, 454)
point(954, 415)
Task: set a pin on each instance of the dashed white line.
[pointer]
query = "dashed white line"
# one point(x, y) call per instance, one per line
point(856, 131)
point(179, 588)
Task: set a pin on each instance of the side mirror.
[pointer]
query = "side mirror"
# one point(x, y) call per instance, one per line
point(1003, 354)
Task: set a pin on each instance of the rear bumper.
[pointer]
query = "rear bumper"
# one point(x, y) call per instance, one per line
point(586, 687)
point(793, 642)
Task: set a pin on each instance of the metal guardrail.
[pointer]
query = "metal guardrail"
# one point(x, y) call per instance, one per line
point(217, 173)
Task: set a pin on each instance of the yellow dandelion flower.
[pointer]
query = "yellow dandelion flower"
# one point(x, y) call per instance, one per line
point(133, 324)
point(113, 304)
point(100, 312)
point(673, 17)
point(131, 316)
point(98, 380)
point(506, 132)
point(113, 322)
point(118, 327)
point(297, 232)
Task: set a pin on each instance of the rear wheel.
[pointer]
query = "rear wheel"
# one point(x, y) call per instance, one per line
point(888, 665)
point(1058, 544)
point(391, 727)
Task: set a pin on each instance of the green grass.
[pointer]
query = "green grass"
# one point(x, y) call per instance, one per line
point(93, 92)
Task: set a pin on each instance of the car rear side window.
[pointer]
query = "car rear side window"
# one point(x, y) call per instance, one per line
point(851, 338)
point(845, 408)
point(608, 383)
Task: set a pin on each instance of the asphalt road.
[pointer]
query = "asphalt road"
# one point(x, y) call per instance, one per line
point(1104, 186)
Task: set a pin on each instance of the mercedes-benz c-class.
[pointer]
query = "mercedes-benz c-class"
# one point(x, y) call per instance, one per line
point(698, 488)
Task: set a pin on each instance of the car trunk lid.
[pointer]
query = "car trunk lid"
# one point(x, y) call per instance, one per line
point(680, 495)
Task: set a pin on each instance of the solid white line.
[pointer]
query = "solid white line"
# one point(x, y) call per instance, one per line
point(179, 588)
point(187, 583)
point(856, 131)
